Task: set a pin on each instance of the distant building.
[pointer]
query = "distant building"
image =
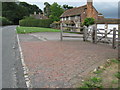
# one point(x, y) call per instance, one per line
point(76, 16)
point(39, 16)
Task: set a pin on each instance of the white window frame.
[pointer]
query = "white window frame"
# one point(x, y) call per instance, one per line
point(69, 18)
point(65, 18)
point(76, 17)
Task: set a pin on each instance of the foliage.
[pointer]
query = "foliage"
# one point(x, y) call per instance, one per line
point(115, 61)
point(55, 24)
point(66, 7)
point(94, 82)
point(31, 8)
point(31, 22)
point(47, 9)
point(56, 11)
point(4, 21)
point(16, 11)
point(13, 11)
point(117, 75)
point(88, 21)
point(22, 30)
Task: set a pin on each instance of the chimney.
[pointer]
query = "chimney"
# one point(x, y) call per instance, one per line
point(90, 2)
point(89, 8)
point(34, 13)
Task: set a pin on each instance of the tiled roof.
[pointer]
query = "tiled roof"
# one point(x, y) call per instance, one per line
point(37, 16)
point(74, 11)
point(108, 20)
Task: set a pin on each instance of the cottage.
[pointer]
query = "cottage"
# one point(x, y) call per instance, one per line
point(76, 16)
point(39, 16)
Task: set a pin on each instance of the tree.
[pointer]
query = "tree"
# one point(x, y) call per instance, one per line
point(31, 8)
point(66, 7)
point(47, 9)
point(56, 11)
point(88, 21)
point(13, 12)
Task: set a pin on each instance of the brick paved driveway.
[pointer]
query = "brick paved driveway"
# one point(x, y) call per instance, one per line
point(62, 64)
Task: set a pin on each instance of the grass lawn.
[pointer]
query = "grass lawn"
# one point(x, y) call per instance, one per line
point(23, 30)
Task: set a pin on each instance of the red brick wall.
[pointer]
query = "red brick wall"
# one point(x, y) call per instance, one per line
point(91, 11)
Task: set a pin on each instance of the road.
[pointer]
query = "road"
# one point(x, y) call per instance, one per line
point(12, 71)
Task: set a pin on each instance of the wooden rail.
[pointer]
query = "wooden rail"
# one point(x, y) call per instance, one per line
point(95, 35)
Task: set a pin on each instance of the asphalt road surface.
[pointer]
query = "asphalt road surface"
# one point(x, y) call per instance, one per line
point(12, 71)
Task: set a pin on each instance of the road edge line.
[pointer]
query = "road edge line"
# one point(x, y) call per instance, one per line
point(25, 69)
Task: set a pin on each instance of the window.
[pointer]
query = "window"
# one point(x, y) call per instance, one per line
point(62, 19)
point(76, 17)
point(69, 18)
point(65, 18)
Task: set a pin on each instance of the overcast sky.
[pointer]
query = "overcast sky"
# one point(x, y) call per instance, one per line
point(109, 8)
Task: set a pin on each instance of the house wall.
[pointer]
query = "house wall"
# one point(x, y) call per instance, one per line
point(91, 11)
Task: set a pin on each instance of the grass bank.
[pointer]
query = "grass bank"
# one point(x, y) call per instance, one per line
point(23, 30)
point(106, 76)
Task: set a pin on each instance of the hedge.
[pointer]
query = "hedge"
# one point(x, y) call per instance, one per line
point(4, 21)
point(30, 22)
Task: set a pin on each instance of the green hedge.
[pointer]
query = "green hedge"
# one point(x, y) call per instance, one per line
point(4, 21)
point(31, 22)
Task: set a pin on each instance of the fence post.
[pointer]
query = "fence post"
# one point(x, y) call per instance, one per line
point(61, 33)
point(94, 35)
point(114, 38)
point(106, 29)
point(84, 33)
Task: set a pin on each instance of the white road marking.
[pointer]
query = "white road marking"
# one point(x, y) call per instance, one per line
point(39, 37)
point(27, 79)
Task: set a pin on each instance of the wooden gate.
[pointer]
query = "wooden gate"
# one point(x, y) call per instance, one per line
point(106, 35)
point(92, 34)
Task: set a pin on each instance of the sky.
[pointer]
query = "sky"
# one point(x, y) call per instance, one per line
point(109, 8)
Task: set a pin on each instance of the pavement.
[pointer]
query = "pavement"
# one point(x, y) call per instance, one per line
point(61, 64)
point(12, 70)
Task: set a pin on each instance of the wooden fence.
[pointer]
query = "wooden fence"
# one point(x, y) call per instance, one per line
point(93, 34)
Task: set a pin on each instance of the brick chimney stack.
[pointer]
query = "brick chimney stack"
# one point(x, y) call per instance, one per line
point(89, 8)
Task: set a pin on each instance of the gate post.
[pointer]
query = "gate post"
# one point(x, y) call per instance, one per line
point(61, 33)
point(114, 38)
point(85, 33)
point(106, 30)
point(94, 34)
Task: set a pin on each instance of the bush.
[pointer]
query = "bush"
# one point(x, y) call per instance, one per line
point(4, 21)
point(55, 25)
point(31, 22)
point(89, 21)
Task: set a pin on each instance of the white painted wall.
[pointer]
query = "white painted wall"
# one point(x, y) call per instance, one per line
point(110, 26)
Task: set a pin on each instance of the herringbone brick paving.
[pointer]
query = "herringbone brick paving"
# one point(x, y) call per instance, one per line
point(63, 64)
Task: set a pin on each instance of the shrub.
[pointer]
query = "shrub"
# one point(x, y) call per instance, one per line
point(4, 21)
point(88, 21)
point(55, 25)
point(31, 22)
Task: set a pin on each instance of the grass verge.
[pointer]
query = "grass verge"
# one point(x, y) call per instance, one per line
point(106, 76)
point(23, 30)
